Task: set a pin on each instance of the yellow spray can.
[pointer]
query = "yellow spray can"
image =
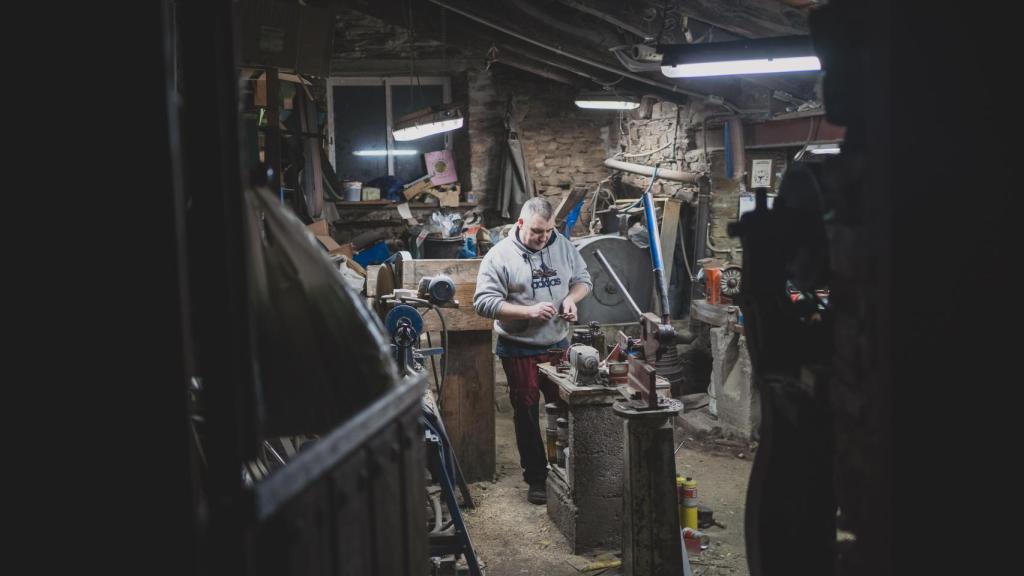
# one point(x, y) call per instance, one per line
point(686, 491)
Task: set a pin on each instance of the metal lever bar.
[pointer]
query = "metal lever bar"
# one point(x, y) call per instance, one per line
point(615, 278)
point(654, 238)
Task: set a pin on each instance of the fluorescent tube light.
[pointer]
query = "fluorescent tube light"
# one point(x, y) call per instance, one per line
point(821, 149)
point(750, 56)
point(735, 67)
point(607, 100)
point(826, 150)
point(427, 122)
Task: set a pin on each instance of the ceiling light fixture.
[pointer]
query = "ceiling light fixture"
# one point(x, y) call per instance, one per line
point(427, 122)
point(607, 100)
point(751, 56)
point(818, 150)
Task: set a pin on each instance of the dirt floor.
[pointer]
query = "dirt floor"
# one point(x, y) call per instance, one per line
point(513, 537)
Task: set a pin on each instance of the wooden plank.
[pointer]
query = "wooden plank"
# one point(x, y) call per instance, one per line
point(461, 319)
point(371, 279)
point(413, 467)
point(568, 203)
point(412, 205)
point(467, 403)
point(386, 493)
point(352, 514)
point(669, 232)
point(459, 270)
point(463, 273)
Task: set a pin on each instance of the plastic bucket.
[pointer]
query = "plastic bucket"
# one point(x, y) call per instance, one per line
point(435, 247)
point(352, 190)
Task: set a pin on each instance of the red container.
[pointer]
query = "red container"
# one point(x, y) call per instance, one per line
point(713, 277)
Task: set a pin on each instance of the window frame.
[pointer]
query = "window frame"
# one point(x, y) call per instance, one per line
point(387, 82)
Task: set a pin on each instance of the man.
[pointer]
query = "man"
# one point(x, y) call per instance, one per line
point(530, 283)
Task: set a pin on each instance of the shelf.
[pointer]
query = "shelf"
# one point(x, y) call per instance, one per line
point(386, 203)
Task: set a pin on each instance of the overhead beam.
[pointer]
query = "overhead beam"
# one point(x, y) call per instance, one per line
point(559, 20)
point(397, 67)
point(749, 19)
point(556, 50)
point(617, 22)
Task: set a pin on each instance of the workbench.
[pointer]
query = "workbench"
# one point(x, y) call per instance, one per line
point(467, 398)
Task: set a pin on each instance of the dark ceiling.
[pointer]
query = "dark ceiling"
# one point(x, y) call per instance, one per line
point(573, 41)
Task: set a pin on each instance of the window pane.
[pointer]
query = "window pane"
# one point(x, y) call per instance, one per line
point(406, 99)
point(360, 123)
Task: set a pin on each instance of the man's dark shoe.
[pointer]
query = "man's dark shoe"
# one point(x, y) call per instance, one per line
point(538, 494)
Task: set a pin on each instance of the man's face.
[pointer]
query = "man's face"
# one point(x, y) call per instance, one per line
point(536, 231)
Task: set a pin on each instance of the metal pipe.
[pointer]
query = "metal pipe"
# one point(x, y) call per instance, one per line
point(615, 278)
point(727, 145)
point(699, 246)
point(607, 18)
point(587, 61)
point(537, 70)
point(654, 239)
point(677, 175)
point(552, 63)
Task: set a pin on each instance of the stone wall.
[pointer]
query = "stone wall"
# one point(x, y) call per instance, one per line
point(659, 132)
point(564, 146)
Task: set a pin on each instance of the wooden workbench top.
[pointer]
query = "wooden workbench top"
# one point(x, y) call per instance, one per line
point(579, 395)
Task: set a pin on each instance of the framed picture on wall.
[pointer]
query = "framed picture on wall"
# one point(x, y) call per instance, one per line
point(761, 174)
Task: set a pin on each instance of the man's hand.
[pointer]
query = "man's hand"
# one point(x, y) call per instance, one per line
point(541, 311)
point(568, 309)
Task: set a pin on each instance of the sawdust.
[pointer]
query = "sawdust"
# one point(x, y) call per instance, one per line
point(514, 537)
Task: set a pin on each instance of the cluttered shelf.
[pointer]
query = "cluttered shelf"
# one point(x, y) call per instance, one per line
point(412, 205)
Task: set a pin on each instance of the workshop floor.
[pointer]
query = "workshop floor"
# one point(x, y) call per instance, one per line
point(514, 537)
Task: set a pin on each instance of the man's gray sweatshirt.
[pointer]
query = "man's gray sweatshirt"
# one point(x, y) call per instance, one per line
point(511, 272)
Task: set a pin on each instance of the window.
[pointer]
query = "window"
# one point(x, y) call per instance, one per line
point(361, 112)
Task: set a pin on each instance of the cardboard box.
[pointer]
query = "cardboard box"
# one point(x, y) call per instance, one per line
point(345, 249)
point(417, 189)
point(319, 228)
point(440, 166)
point(328, 243)
point(446, 199)
point(355, 266)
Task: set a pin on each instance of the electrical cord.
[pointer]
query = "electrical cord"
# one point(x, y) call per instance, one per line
point(654, 176)
point(444, 342)
point(444, 357)
point(433, 366)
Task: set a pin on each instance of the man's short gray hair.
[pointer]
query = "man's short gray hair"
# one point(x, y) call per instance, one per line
point(539, 206)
